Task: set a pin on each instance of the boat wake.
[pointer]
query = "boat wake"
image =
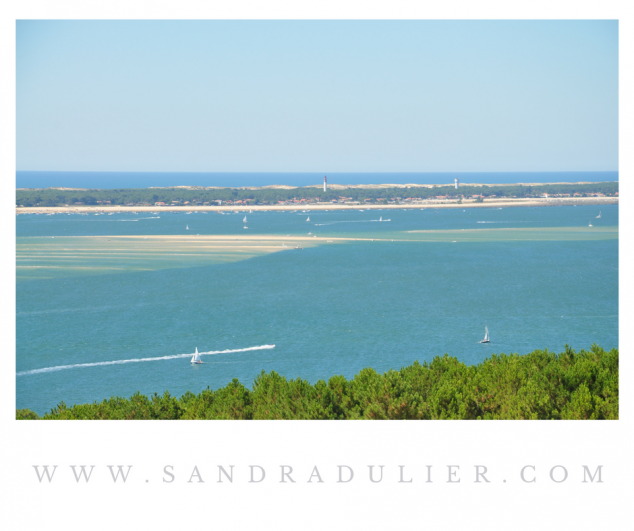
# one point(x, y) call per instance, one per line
point(507, 221)
point(138, 219)
point(139, 360)
point(118, 220)
point(353, 221)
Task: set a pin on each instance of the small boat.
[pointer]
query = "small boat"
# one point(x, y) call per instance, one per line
point(599, 216)
point(380, 218)
point(245, 227)
point(196, 357)
point(486, 335)
point(244, 220)
point(590, 224)
point(308, 218)
point(186, 227)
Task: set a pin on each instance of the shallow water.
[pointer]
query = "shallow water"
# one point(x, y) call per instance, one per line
point(544, 280)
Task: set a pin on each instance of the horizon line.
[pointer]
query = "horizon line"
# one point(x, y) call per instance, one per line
point(316, 172)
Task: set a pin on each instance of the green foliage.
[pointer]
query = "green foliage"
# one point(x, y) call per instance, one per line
point(136, 196)
point(539, 385)
point(25, 414)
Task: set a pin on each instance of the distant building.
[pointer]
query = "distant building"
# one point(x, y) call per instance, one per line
point(325, 184)
point(457, 182)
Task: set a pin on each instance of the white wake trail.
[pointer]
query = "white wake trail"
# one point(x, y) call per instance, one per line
point(352, 221)
point(139, 360)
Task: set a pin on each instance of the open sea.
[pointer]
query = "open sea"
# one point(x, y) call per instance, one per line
point(109, 180)
point(111, 305)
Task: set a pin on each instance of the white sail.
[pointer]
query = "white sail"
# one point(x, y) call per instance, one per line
point(590, 224)
point(245, 219)
point(599, 216)
point(486, 335)
point(308, 218)
point(380, 218)
point(196, 357)
point(186, 227)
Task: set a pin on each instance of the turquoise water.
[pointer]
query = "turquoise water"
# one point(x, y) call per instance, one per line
point(545, 280)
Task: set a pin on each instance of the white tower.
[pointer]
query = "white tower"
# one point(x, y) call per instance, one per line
point(457, 181)
point(325, 184)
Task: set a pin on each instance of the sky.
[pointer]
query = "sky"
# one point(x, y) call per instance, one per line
point(317, 96)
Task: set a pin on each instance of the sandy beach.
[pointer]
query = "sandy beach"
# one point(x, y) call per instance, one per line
point(434, 204)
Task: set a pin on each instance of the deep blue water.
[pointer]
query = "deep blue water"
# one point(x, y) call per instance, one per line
point(329, 309)
point(107, 180)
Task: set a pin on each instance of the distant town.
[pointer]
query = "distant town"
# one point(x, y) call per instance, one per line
point(316, 195)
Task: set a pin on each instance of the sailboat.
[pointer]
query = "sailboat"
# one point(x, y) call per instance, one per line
point(486, 335)
point(196, 357)
point(590, 224)
point(186, 227)
point(245, 219)
point(380, 218)
point(308, 218)
point(599, 216)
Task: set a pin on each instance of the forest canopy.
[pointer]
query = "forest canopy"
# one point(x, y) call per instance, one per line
point(539, 385)
point(266, 196)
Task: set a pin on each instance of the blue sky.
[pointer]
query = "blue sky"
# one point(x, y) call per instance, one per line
point(317, 96)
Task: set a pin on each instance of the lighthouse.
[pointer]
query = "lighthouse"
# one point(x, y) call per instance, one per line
point(457, 181)
point(325, 184)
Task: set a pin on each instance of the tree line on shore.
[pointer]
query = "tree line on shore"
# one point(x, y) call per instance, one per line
point(539, 385)
point(136, 196)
